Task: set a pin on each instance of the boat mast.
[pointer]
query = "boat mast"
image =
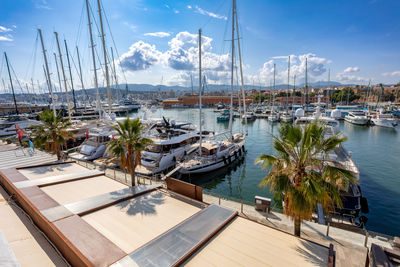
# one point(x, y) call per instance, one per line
point(232, 66)
point(241, 69)
point(105, 57)
point(58, 72)
point(115, 74)
point(63, 73)
point(306, 85)
point(288, 86)
point(12, 86)
point(48, 73)
point(80, 73)
point(70, 74)
point(191, 83)
point(294, 90)
point(273, 92)
point(329, 85)
point(96, 85)
point(200, 104)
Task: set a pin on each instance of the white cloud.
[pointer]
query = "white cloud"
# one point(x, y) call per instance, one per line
point(130, 26)
point(41, 4)
point(189, 6)
point(351, 69)
point(210, 14)
point(4, 29)
point(393, 73)
point(316, 66)
point(5, 38)
point(181, 57)
point(183, 54)
point(346, 75)
point(176, 11)
point(157, 34)
point(140, 56)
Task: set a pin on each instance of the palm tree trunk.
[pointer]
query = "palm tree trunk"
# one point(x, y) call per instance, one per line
point(297, 224)
point(133, 177)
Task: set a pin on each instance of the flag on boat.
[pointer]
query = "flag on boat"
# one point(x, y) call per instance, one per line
point(87, 134)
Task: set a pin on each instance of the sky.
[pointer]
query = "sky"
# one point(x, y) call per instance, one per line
point(156, 42)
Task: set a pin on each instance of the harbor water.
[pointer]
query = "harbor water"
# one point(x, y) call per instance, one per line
point(375, 150)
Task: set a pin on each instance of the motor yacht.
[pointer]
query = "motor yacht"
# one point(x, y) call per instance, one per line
point(94, 146)
point(385, 120)
point(171, 141)
point(357, 117)
point(273, 117)
point(286, 117)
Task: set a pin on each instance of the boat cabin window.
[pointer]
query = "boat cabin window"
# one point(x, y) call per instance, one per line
point(154, 148)
point(207, 152)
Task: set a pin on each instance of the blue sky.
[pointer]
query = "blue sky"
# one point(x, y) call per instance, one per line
point(156, 41)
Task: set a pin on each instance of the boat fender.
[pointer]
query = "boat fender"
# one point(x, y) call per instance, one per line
point(174, 159)
point(243, 148)
point(224, 159)
point(229, 159)
point(364, 205)
point(240, 152)
point(236, 156)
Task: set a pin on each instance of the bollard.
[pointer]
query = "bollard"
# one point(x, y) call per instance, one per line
point(327, 229)
point(241, 207)
point(115, 177)
point(219, 201)
point(366, 239)
point(125, 176)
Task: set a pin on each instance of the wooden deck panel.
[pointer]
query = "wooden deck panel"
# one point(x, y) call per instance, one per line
point(50, 180)
point(247, 243)
point(81, 189)
point(134, 222)
point(52, 170)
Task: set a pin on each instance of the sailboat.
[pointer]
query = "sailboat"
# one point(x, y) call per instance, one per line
point(274, 115)
point(212, 154)
point(286, 116)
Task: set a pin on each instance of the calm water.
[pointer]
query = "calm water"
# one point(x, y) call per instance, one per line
point(376, 151)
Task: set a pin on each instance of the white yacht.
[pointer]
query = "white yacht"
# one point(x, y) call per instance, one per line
point(273, 117)
point(249, 116)
point(94, 146)
point(357, 117)
point(286, 117)
point(385, 120)
point(213, 155)
point(170, 143)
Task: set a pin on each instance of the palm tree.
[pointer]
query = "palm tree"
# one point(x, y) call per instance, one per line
point(302, 174)
point(52, 134)
point(129, 145)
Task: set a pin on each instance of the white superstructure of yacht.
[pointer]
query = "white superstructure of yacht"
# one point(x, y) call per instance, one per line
point(171, 142)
